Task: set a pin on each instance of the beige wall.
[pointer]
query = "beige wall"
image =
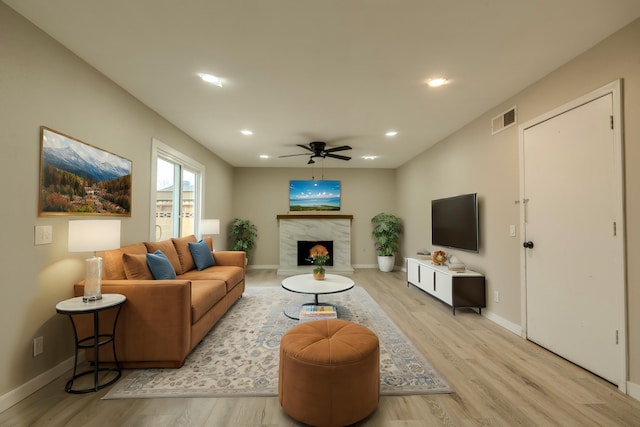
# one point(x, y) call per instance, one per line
point(472, 160)
point(262, 193)
point(41, 83)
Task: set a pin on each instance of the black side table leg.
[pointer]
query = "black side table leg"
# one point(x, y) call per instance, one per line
point(96, 353)
point(113, 344)
point(69, 384)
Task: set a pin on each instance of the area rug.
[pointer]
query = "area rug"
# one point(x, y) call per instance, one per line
point(240, 355)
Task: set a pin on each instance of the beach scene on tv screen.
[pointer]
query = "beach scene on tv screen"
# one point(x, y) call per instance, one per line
point(314, 195)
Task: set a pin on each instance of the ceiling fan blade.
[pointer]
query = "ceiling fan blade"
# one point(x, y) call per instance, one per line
point(306, 147)
point(338, 156)
point(293, 155)
point(341, 148)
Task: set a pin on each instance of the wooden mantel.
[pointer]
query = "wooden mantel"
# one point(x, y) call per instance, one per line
point(313, 216)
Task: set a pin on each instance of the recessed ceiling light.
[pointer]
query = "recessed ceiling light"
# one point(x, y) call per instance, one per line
point(264, 156)
point(246, 132)
point(210, 78)
point(437, 82)
point(391, 133)
point(369, 157)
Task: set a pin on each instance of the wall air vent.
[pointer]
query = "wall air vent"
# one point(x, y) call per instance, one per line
point(503, 121)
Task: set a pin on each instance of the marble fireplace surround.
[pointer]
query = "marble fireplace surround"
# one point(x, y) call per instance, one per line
point(294, 227)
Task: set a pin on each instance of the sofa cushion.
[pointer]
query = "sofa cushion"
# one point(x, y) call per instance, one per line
point(230, 275)
point(184, 254)
point(160, 266)
point(135, 267)
point(209, 241)
point(167, 248)
point(201, 254)
point(204, 295)
point(113, 263)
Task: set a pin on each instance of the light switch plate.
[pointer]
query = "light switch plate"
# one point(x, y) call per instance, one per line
point(43, 234)
point(512, 230)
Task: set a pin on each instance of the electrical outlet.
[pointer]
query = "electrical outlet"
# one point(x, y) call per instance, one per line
point(38, 346)
point(496, 296)
point(512, 230)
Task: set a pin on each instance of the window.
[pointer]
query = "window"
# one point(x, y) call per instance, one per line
point(176, 193)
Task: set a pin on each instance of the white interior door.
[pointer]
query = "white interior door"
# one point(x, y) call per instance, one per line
point(574, 275)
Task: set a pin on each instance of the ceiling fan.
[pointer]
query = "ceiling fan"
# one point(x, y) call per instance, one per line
point(319, 149)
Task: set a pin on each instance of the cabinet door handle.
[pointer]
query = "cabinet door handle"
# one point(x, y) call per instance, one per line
point(419, 281)
point(434, 281)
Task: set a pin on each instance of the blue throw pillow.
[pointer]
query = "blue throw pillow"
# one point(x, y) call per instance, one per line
point(160, 266)
point(201, 254)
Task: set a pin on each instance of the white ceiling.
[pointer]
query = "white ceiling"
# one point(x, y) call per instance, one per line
point(341, 71)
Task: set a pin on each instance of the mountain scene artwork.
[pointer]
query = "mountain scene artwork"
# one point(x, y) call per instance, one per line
point(79, 179)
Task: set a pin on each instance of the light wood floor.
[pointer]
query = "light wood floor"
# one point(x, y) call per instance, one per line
point(499, 380)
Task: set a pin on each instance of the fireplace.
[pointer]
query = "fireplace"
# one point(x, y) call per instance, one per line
point(314, 228)
point(304, 246)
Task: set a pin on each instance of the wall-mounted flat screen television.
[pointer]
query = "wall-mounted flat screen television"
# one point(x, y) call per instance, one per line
point(314, 195)
point(454, 222)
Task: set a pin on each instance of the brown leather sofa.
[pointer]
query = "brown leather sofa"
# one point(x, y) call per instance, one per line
point(162, 321)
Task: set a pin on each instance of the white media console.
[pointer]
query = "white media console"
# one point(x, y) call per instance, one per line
point(457, 289)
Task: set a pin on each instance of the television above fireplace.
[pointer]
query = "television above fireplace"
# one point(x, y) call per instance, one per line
point(314, 195)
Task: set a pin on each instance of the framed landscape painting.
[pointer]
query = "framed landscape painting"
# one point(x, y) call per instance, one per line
point(314, 195)
point(80, 179)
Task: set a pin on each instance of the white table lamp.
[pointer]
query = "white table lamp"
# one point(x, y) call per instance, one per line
point(92, 236)
point(209, 227)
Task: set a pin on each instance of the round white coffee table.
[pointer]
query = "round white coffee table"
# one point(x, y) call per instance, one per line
point(306, 284)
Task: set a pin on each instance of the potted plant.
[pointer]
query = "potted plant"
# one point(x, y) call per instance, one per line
point(320, 256)
point(243, 233)
point(386, 232)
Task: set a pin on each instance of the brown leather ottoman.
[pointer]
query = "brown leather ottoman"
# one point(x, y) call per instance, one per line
point(329, 372)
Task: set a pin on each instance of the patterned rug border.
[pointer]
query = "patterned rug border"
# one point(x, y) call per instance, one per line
point(395, 349)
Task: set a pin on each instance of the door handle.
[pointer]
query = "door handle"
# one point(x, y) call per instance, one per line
point(528, 244)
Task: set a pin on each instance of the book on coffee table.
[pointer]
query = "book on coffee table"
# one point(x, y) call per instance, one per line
point(318, 312)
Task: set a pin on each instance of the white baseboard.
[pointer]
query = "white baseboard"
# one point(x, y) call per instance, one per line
point(510, 326)
point(366, 266)
point(633, 390)
point(9, 399)
point(261, 267)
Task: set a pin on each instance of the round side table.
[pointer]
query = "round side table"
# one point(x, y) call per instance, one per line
point(75, 306)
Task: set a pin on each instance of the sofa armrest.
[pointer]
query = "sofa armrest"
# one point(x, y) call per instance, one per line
point(154, 323)
point(235, 258)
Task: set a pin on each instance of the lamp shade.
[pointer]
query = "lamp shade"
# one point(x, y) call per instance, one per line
point(209, 227)
point(94, 235)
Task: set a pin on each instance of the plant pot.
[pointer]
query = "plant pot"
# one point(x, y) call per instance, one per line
point(319, 275)
point(386, 263)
